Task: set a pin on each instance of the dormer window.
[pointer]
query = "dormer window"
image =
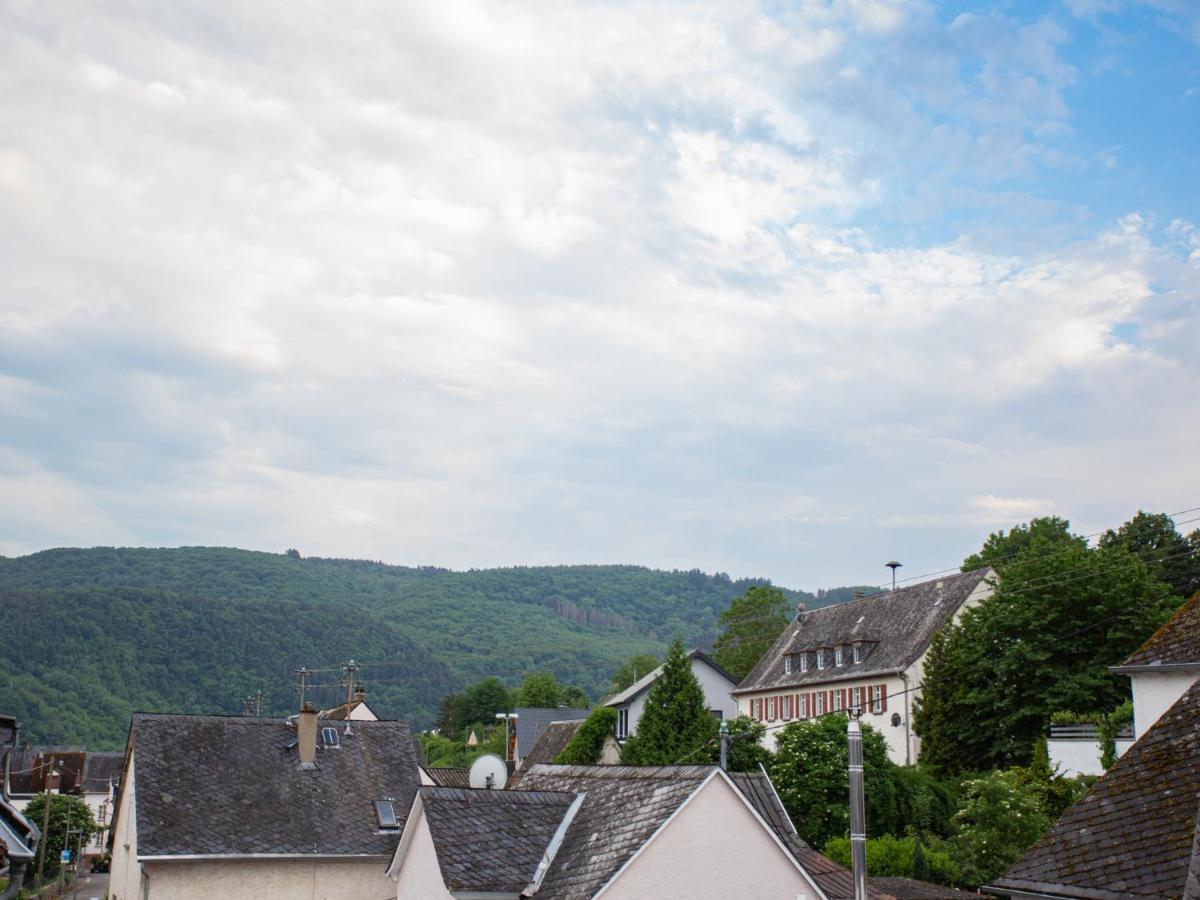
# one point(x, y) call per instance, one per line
point(837, 656)
point(803, 662)
point(858, 653)
point(820, 659)
point(787, 665)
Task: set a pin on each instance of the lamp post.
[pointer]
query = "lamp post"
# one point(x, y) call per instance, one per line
point(893, 565)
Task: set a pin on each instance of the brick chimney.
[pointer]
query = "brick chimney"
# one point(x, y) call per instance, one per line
point(306, 736)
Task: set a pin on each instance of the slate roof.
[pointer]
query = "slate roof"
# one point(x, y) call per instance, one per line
point(911, 889)
point(492, 840)
point(1177, 642)
point(1134, 834)
point(100, 770)
point(532, 721)
point(449, 776)
point(552, 742)
point(231, 785)
point(625, 805)
point(901, 622)
point(644, 683)
point(835, 880)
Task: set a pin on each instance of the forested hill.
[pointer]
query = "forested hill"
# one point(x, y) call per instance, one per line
point(95, 634)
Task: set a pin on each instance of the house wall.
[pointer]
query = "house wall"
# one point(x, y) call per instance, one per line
point(269, 879)
point(420, 876)
point(716, 689)
point(1154, 693)
point(1080, 757)
point(713, 848)
point(125, 873)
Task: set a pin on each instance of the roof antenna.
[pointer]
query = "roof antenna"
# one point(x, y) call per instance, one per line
point(893, 565)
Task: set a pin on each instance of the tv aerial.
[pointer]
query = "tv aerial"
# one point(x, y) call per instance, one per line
point(489, 772)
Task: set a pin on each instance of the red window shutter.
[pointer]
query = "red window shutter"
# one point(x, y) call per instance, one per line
point(883, 696)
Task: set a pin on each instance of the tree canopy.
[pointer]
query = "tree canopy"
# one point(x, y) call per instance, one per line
point(585, 747)
point(749, 627)
point(637, 666)
point(676, 725)
point(66, 812)
point(1001, 547)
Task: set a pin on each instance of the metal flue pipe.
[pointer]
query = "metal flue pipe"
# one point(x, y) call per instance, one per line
point(858, 815)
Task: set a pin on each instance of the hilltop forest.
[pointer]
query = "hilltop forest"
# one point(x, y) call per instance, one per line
point(99, 633)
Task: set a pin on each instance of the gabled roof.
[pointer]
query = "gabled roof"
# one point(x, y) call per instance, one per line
point(533, 720)
point(1176, 643)
point(232, 786)
point(899, 624)
point(492, 841)
point(552, 742)
point(18, 836)
point(625, 806)
point(835, 881)
point(644, 683)
point(449, 776)
point(101, 771)
point(1135, 833)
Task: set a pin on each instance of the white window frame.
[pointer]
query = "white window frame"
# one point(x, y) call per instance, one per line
point(837, 701)
point(622, 723)
point(787, 665)
point(858, 653)
point(837, 656)
point(803, 712)
point(820, 708)
point(876, 699)
point(803, 662)
point(820, 659)
point(856, 698)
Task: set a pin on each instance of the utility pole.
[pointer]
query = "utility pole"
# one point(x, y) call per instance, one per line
point(724, 735)
point(41, 868)
point(257, 700)
point(858, 817)
point(349, 668)
point(302, 674)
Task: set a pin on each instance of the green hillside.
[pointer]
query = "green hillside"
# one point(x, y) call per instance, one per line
point(98, 633)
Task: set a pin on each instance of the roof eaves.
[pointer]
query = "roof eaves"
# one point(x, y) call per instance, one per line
point(810, 685)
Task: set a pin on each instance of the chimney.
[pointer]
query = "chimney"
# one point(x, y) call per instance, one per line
point(306, 736)
point(360, 693)
point(801, 610)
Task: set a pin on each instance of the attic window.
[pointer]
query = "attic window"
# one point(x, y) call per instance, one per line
point(820, 659)
point(803, 662)
point(330, 737)
point(385, 813)
point(858, 653)
point(787, 665)
point(837, 655)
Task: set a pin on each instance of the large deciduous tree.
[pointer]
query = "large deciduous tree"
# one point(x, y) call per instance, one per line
point(1003, 547)
point(749, 627)
point(1061, 614)
point(676, 725)
point(70, 826)
point(540, 689)
point(1171, 558)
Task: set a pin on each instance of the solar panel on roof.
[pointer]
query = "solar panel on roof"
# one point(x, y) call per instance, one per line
point(386, 814)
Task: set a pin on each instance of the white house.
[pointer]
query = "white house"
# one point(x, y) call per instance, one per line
point(620, 832)
point(714, 681)
point(867, 653)
point(230, 806)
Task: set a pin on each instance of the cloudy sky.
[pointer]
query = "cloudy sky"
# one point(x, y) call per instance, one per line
point(784, 289)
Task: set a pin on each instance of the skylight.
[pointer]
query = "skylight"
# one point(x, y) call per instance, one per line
point(385, 813)
point(330, 736)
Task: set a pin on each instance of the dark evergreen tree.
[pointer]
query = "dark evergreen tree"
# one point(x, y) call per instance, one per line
point(676, 725)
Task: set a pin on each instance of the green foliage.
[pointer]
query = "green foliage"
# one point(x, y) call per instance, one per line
point(749, 627)
point(588, 743)
point(1170, 557)
point(66, 812)
point(744, 751)
point(809, 770)
point(478, 705)
point(637, 666)
point(575, 698)
point(1109, 726)
point(927, 806)
point(443, 752)
point(999, 819)
point(889, 856)
point(540, 689)
point(1040, 536)
point(675, 725)
point(105, 631)
point(1054, 792)
point(1060, 616)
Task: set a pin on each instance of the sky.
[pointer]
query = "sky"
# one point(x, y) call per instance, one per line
point(780, 289)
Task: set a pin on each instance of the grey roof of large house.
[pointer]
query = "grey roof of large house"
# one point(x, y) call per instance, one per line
point(552, 742)
point(1135, 832)
point(834, 880)
point(896, 627)
point(1176, 643)
point(492, 841)
point(232, 786)
point(625, 805)
point(532, 721)
point(644, 683)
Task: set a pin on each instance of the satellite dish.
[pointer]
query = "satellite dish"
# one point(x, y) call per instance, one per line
point(489, 772)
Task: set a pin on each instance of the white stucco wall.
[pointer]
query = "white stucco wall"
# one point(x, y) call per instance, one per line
point(714, 848)
point(125, 873)
point(419, 876)
point(265, 879)
point(1154, 693)
point(1080, 757)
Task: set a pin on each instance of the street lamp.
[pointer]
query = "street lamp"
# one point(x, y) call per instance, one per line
point(506, 716)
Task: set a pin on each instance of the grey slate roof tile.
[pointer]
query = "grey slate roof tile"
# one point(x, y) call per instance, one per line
point(449, 776)
point(552, 742)
point(491, 840)
point(1176, 641)
point(532, 721)
point(1134, 833)
point(911, 889)
point(229, 785)
point(901, 621)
